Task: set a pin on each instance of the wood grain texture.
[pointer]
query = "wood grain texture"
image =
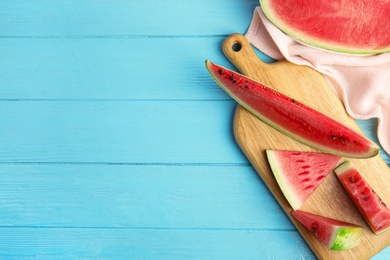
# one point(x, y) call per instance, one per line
point(159, 196)
point(96, 69)
point(254, 137)
point(121, 18)
point(124, 243)
point(118, 132)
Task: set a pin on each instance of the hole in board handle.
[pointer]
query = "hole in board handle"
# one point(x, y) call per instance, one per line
point(236, 47)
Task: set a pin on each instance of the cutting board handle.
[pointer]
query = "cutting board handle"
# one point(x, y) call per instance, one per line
point(240, 52)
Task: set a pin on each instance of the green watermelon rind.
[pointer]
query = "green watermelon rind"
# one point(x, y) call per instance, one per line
point(313, 41)
point(287, 191)
point(346, 238)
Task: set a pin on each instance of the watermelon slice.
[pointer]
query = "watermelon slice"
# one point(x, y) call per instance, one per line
point(291, 117)
point(335, 234)
point(298, 174)
point(351, 26)
point(373, 209)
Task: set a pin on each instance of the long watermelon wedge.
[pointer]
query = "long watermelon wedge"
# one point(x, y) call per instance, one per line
point(335, 234)
point(291, 117)
point(299, 174)
point(373, 209)
point(350, 26)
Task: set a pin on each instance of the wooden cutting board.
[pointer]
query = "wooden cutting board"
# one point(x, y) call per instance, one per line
point(254, 137)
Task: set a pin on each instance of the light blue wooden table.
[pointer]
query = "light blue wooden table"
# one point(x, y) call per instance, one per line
point(117, 144)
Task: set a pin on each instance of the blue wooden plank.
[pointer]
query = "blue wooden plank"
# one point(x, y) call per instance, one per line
point(54, 243)
point(126, 69)
point(129, 243)
point(101, 243)
point(118, 132)
point(99, 18)
point(143, 196)
point(129, 69)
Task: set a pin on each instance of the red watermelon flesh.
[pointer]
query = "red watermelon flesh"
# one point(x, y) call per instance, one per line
point(335, 234)
point(298, 174)
point(373, 209)
point(291, 117)
point(351, 26)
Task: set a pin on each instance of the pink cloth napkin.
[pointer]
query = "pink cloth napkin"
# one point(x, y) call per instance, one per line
point(362, 82)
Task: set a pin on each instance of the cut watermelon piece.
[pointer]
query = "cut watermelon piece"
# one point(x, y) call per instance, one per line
point(291, 117)
point(335, 234)
point(298, 174)
point(350, 26)
point(370, 205)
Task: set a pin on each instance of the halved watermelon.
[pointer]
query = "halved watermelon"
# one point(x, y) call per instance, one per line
point(351, 26)
point(298, 174)
point(373, 209)
point(291, 117)
point(335, 234)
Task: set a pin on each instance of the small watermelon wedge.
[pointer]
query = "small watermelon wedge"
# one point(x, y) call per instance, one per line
point(291, 117)
point(348, 26)
point(298, 174)
point(370, 205)
point(335, 234)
